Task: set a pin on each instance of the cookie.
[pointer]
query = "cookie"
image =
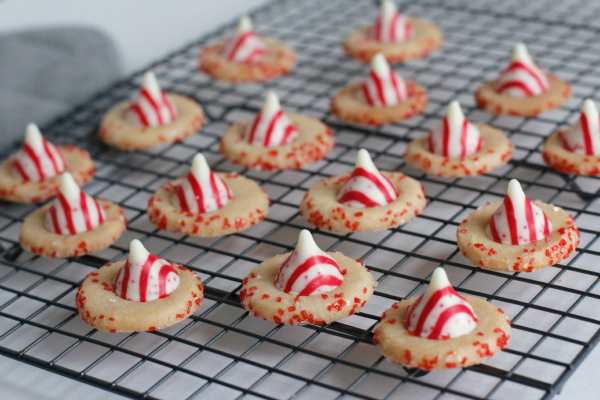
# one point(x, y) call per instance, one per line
point(458, 148)
point(526, 241)
point(323, 207)
point(262, 297)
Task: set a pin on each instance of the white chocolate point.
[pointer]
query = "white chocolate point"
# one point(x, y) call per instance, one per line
point(439, 280)
point(306, 246)
point(515, 192)
point(200, 166)
point(271, 104)
point(69, 188)
point(33, 136)
point(521, 54)
point(455, 113)
point(150, 83)
point(244, 25)
point(590, 110)
point(388, 8)
point(137, 252)
point(380, 65)
point(363, 160)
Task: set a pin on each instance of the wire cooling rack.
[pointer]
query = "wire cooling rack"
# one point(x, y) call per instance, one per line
point(221, 351)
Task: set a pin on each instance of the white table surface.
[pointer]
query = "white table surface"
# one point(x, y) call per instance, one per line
point(22, 381)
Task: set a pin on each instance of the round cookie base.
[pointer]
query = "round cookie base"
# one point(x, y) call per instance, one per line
point(36, 239)
point(490, 336)
point(563, 160)
point(347, 107)
point(263, 299)
point(248, 206)
point(495, 151)
point(487, 98)
point(321, 208)
point(485, 253)
point(79, 164)
point(314, 141)
point(427, 37)
point(115, 131)
point(100, 307)
point(280, 60)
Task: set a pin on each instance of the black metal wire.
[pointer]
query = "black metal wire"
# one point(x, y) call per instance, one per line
point(221, 350)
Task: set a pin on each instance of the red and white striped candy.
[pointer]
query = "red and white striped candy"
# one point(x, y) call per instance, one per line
point(522, 77)
point(440, 312)
point(455, 136)
point(366, 187)
point(308, 270)
point(270, 126)
point(584, 136)
point(73, 211)
point(201, 190)
point(518, 220)
point(246, 46)
point(145, 277)
point(37, 159)
point(390, 26)
point(383, 87)
point(152, 107)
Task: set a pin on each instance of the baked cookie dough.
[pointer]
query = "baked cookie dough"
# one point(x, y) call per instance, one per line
point(263, 299)
point(117, 132)
point(495, 151)
point(321, 208)
point(12, 188)
point(558, 92)
point(279, 61)
point(249, 206)
point(426, 38)
point(100, 307)
point(490, 335)
point(563, 160)
point(314, 141)
point(37, 239)
point(484, 252)
point(347, 107)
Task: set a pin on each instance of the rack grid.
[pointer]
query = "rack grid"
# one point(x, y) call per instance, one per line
point(221, 351)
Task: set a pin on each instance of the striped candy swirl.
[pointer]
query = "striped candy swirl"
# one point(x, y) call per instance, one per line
point(201, 190)
point(152, 107)
point(383, 87)
point(38, 159)
point(246, 46)
point(522, 78)
point(455, 136)
point(73, 211)
point(518, 221)
point(270, 126)
point(308, 270)
point(145, 277)
point(440, 312)
point(390, 26)
point(584, 136)
point(366, 187)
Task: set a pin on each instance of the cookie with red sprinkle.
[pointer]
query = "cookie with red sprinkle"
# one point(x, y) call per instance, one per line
point(458, 148)
point(307, 286)
point(397, 37)
point(441, 329)
point(32, 174)
point(517, 234)
point(143, 293)
point(247, 57)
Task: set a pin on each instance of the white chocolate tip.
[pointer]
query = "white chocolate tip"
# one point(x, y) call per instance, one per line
point(454, 113)
point(388, 8)
point(244, 25)
point(271, 104)
point(150, 83)
point(363, 160)
point(515, 191)
point(69, 188)
point(380, 65)
point(137, 252)
point(521, 54)
point(305, 242)
point(199, 166)
point(33, 136)
point(589, 109)
point(439, 279)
